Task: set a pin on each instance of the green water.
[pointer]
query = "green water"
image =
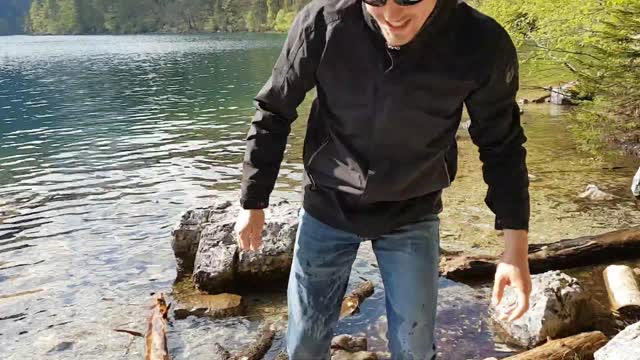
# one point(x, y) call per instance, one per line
point(105, 140)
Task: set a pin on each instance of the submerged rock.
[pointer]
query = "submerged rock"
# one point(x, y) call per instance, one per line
point(204, 243)
point(593, 193)
point(347, 347)
point(557, 309)
point(215, 306)
point(624, 346)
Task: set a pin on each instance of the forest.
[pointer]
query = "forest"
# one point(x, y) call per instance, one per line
point(158, 16)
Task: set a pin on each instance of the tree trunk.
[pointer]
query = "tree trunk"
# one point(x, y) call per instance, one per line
point(581, 346)
point(563, 254)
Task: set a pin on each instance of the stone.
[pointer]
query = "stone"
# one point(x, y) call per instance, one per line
point(592, 192)
point(186, 237)
point(360, 355)
point(62, 346)
point(349, 343)
point(219, 265)
point(215, 306)
point(557, 309)
point(624, 346)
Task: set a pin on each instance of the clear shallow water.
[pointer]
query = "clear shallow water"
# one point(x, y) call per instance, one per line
point(105, 140)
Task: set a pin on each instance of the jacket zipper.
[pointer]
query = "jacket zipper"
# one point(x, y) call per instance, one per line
point(313, 156)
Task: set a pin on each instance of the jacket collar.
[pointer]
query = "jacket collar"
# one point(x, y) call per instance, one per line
point(436, 21)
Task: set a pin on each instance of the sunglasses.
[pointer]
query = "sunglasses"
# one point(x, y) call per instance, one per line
point(379, 3)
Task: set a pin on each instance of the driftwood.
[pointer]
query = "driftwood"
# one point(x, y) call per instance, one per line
point(351, 303)
point(581, 346)
point(156, 338)
point(544, 257)
point(624, 294)
point(256, 352)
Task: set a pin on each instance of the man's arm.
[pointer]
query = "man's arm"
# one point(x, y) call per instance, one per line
point(496, 130)
point(292, 77)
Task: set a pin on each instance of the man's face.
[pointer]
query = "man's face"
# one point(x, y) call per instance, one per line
point(400, 24)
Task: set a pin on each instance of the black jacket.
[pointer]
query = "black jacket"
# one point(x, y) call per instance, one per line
point(380, 143)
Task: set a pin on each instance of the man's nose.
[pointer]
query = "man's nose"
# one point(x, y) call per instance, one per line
point(392, 11)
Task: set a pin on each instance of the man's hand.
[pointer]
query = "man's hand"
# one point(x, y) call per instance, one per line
point(513, 270)
point(248, 229)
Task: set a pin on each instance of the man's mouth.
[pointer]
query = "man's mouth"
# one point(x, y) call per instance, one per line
point(397, 26)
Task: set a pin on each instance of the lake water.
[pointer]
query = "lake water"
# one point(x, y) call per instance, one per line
point(106, 140)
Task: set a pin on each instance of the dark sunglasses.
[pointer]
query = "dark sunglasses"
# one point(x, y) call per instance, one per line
point(399, 2)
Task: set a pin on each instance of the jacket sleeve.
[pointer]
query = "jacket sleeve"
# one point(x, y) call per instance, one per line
point(496, 130)
point(292, 77)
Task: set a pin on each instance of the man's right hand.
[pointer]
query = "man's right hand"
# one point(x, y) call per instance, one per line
point(249, 229)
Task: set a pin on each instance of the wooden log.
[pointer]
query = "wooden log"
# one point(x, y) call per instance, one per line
point(156, 338)
point(623, 290)
point(581, 346)
point(351, 303)
point(563, 254)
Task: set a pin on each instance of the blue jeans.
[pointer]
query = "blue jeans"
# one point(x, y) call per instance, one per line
point(408, 261)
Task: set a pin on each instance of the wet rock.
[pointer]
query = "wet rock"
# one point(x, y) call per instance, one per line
point(347, 347)
point(565, 94)
point(635, 185)
point(216, 259)
point(349, 343)
point(186, 237)
point(219, 264)
point(360, 355)
point(593, 193)
point(557, 309)
point(216, 306)
point(624, 346)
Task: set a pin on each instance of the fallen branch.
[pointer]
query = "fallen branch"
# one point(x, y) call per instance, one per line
point(581, 346)
point(156, 338)
point(256, 352)
point(351, 303)
point(130, 332)
point(544, 257)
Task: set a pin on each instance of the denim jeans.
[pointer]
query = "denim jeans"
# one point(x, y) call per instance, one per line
point(408, 262)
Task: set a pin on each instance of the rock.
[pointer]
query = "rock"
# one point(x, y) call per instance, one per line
point(637, 271)
point(635, 185)
point(219, 264)
point(360, 355)
point(186, 237)
point(557, 309)
point(593, 193)
point(624, 346)
point(215, 306)
point(216, 260)
point(347, 347)
point(349, 343)
point(564, 94)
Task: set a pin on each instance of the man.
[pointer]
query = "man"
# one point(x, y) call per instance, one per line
point(391, 79)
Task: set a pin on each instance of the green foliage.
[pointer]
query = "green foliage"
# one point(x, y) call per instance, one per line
point(139, 16)
point(599, 40)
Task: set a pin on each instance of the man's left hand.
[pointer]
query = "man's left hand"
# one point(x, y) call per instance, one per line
point(513, 270)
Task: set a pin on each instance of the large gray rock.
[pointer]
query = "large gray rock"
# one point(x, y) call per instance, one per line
point(557, 308)
point(186, 234)
point(624, 346)
point(205, 244)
